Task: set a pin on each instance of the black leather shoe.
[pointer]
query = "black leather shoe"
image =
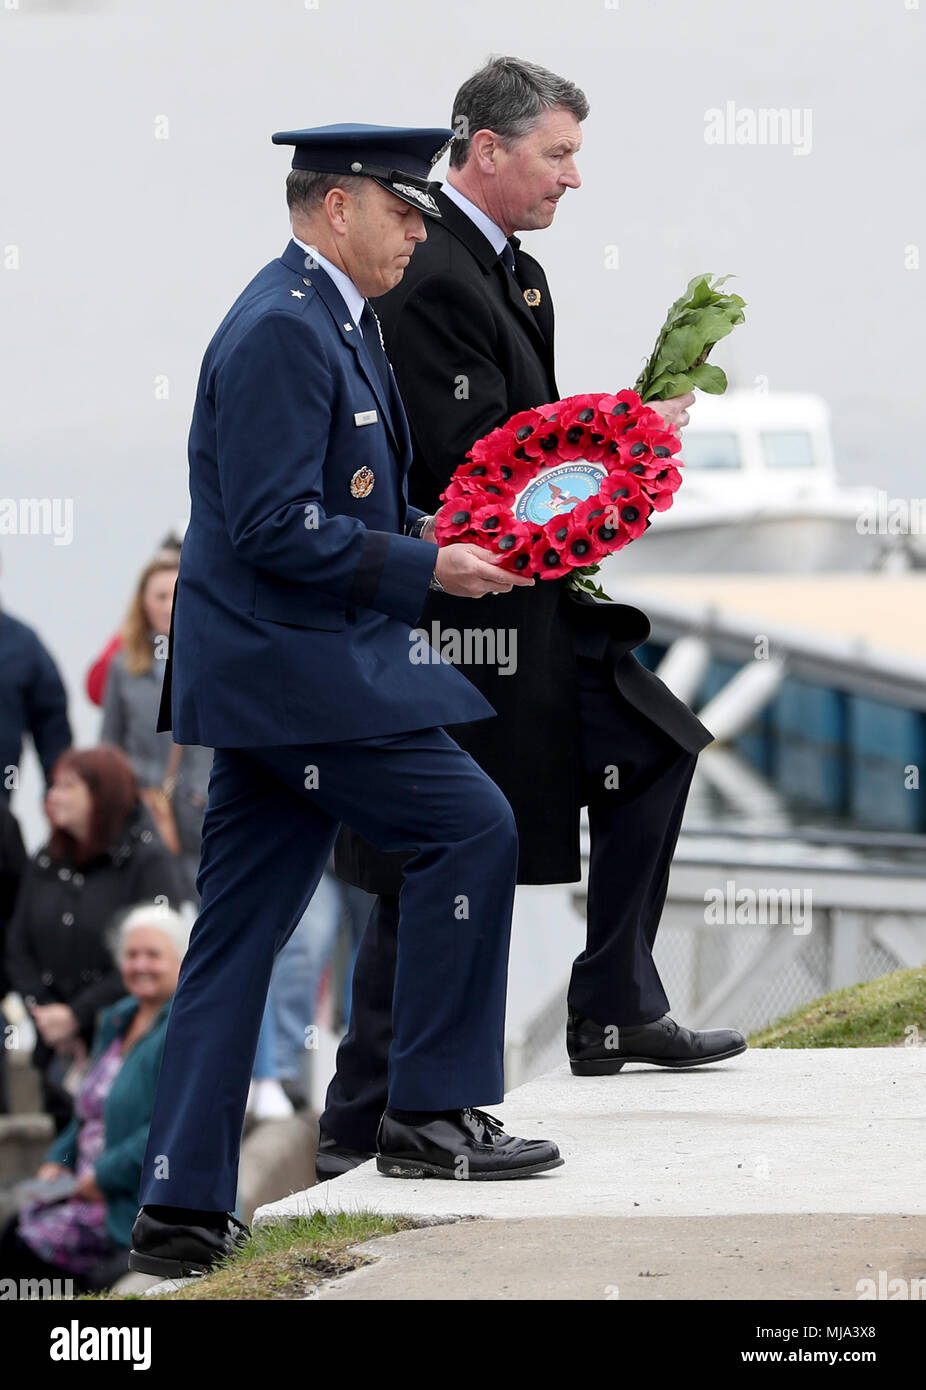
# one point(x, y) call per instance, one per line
point(333, 1160)
point(596, 1051)
point(460, 1144)
point(182, 1252)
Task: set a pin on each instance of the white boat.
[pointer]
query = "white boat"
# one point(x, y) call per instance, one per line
point(760, 494)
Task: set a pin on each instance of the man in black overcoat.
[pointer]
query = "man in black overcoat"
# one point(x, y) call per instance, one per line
point(469, 332)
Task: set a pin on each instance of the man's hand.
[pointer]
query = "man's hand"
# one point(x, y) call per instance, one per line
point(468, 571)
point(55, 1022)
point(427, 531)
point(675, 410)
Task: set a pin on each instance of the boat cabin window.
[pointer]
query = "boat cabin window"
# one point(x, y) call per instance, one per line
point(711, 449)
point(787, 449)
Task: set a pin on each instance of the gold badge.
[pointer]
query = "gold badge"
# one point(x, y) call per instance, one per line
point(532, 297)
point(361, 484)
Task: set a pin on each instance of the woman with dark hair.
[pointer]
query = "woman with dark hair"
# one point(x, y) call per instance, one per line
point(173, 781)
point(103, 855)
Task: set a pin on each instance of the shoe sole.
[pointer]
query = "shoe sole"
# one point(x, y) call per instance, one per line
point(605, 1067)
point(337, 1171)
point(410, 1168)
point(167, 1269)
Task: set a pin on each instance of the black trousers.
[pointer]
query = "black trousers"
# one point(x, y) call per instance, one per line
point(635, 784)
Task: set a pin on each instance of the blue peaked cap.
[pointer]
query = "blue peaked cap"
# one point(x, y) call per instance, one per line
point(399, 158)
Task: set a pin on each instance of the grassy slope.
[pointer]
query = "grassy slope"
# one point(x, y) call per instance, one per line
point(288, 1260)
point(875, 1014)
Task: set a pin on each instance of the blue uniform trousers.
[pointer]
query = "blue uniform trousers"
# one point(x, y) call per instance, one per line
point(270, 824)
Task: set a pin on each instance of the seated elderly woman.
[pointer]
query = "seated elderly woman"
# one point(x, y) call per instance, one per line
point(86, 1234)
point(103, 857)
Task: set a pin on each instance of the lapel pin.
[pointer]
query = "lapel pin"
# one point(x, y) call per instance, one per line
point(532, 298)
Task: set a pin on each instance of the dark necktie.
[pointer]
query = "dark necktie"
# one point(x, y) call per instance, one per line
point(369, 327)
point(507, 257)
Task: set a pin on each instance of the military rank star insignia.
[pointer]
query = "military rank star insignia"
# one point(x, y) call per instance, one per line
point(361, 484)
point(297, 294)
point(532, 297)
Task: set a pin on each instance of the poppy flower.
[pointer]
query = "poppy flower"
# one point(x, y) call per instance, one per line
point(624, 405)
point(583, 547)
point(547, 559)
point(461, 489)
point(514, 542)
point(522, 429)
point(490, 519)
point(454, 521)
point(663, 486)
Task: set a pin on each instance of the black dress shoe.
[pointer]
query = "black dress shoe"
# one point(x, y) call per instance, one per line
point(459, 1144)
point(175, 1251)
point(333, 1160)
point(596, 1051)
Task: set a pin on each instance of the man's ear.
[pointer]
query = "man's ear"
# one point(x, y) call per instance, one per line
point(483, 148)
point(335, 206)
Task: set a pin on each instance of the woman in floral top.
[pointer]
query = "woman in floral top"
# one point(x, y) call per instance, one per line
point(86, 1235)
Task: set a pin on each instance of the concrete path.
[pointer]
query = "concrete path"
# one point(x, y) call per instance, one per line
point(772, 1134)
point(837, 1129)
point(623, 1257)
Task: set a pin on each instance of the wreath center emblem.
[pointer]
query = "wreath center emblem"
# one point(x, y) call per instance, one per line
point(556, 490)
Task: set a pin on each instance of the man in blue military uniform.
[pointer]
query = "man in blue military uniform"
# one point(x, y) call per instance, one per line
point(301, 575)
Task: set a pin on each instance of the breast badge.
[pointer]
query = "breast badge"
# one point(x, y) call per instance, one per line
point(361, 484)
point(532, 298)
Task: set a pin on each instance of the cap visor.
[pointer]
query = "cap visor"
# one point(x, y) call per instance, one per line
point(415, 197)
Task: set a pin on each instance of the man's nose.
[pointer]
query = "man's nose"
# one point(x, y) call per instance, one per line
point(418, 231)
point(570, 177)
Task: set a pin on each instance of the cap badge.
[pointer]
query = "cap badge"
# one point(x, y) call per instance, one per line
point(423, 199)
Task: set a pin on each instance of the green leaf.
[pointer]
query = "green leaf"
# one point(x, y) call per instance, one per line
point(709, 378)
point(699, 292)
point(680, 347)
point(585, 586)
point(664, 387)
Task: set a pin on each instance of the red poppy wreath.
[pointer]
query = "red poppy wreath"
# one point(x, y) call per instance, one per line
point(558, 487)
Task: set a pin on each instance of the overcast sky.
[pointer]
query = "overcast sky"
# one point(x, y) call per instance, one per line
point(127, 249)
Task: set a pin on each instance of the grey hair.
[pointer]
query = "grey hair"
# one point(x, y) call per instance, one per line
point(306, 188)
point(156, 915)
point(508, 96)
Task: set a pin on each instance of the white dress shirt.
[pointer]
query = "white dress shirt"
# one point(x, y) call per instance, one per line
point(490, 230)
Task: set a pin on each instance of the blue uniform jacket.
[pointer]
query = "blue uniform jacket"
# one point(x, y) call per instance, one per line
point(295, 598)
